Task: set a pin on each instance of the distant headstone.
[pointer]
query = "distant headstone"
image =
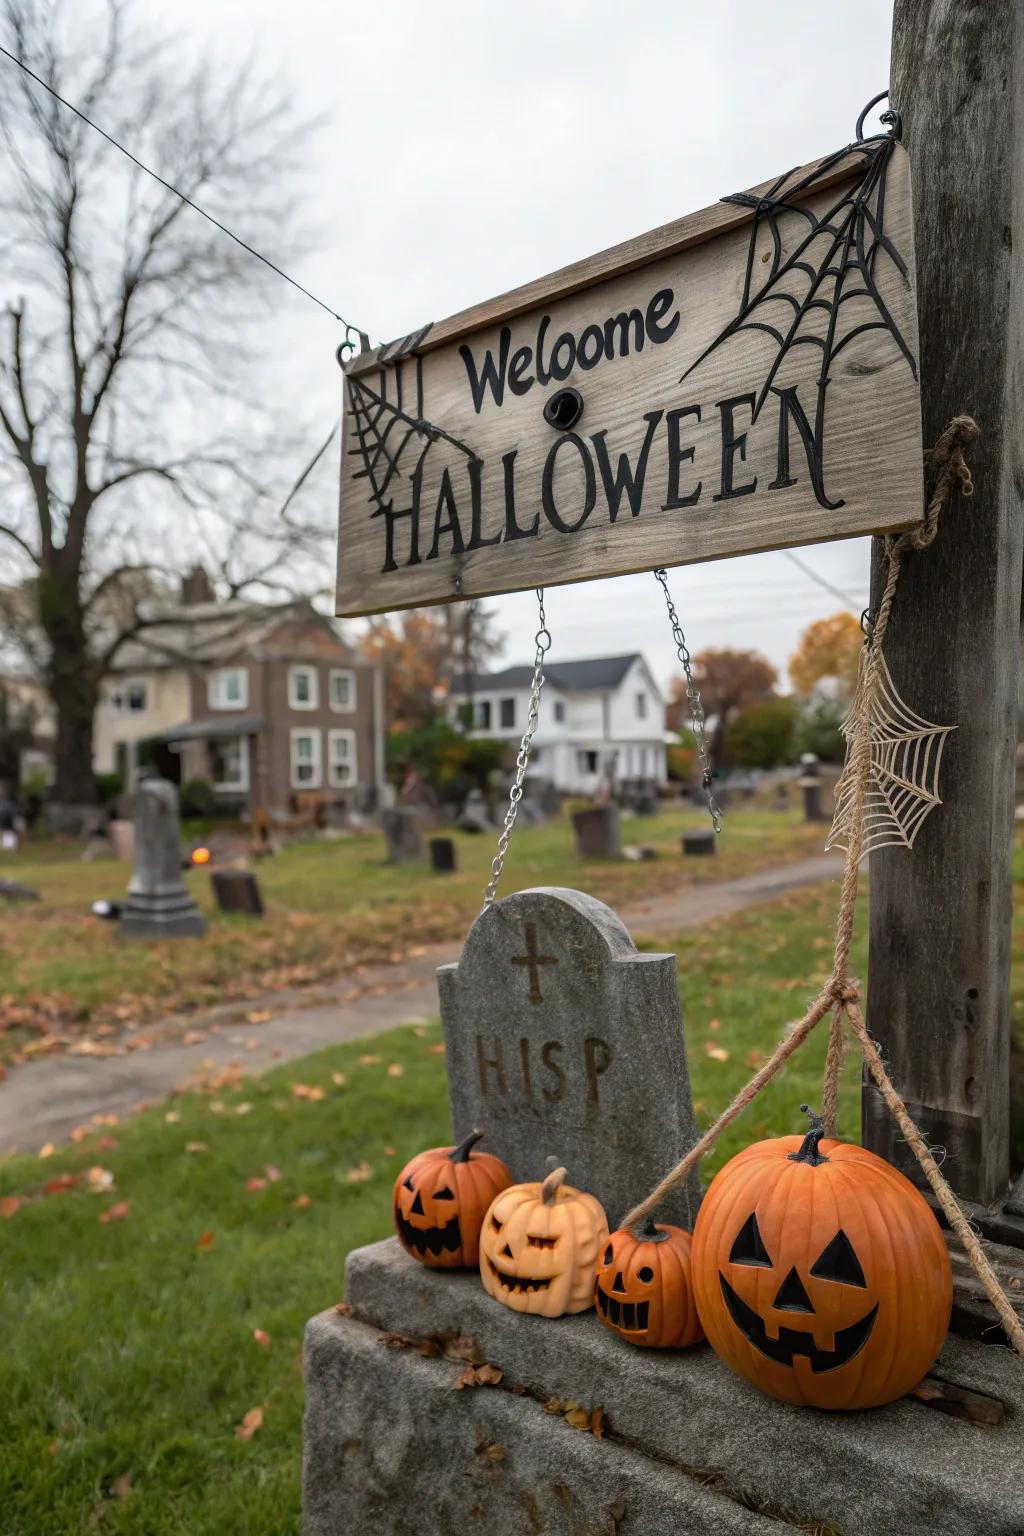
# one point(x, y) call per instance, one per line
point(158, 906)
point(699, 842)
point(598, 832)
point(638, 855)
point(562, 1040)
point(442, 855)
point(475, 815)
point(122, 837)
point(11, 890)
point(781, 801)
point(237, 890)
point(401, 827)
point(810, 783)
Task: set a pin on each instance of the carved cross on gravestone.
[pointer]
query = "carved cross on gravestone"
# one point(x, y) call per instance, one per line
point(586, 1062)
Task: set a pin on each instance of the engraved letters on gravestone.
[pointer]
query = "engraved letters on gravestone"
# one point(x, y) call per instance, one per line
point(562, 1040)
point(742, 379)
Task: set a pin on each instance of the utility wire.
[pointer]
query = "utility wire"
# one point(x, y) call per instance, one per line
point(351, 330)
point(821, 581)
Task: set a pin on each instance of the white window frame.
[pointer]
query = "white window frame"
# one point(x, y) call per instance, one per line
point(217, 686)
point(239, 786)
point(349, 763)
point(483, 715)
point(508, 699)
point(339, 672)
point(315, 762)
point(313, 702)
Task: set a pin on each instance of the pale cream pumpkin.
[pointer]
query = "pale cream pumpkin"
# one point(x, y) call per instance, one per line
point(539, 1247)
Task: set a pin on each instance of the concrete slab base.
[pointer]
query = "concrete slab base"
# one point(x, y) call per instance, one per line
point(687, 1446)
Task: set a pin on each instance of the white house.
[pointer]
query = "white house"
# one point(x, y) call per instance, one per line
point(601, 720)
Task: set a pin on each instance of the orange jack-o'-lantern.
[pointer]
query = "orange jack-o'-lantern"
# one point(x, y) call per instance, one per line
point(440, 1199)
point(539, 1246)
point(643, 1291)
point(820, 1273)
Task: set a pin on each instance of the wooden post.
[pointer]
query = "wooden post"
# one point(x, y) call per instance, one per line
point(939, 969)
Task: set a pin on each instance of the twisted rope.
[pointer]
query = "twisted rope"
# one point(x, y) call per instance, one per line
point(840, 995)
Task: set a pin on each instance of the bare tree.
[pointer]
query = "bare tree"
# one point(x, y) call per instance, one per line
point(122, 353)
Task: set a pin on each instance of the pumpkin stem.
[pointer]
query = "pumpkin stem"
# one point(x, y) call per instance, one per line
point(646, 1231)
point(808, 1152)
point(460, 1154)
point(551, 1185)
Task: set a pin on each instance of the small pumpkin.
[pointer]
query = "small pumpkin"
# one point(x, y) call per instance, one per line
point(440, 1199)
point(643, 1290)
point(820, 1273)
point(539, 1247)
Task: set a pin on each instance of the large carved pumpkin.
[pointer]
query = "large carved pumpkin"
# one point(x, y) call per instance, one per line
point(820, 1273)
point(439, 1203)
point(643, 1290)
point(539, 1247)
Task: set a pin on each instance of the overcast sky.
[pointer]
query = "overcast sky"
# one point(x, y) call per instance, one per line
point(467, 148)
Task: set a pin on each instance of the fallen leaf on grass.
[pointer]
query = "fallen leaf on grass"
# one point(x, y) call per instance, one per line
point(436, 1050)
point(121, 1487)
point(116, 1212)
point(369, 1061)
point(273, 1174)
point(9, 1206)
point(262, 1339)
point(754, 1057)
point(390, 1152)
point(396, 1069)
point(172, 1117)
point(100, 1180)
point(80, 1132)
point(206, 1241)
point(716, 1052)
point(300, 1202)
point(339, 1079)
point(252, 1421)
point(308, 1091)
point(106, 1144)
point(196, 1146)
point(255, 1183)
point(714, 1024)
point(113, 1119)
point(359, 1175)
point(60, 1185)
point(243, 1109)
point(47, 1149)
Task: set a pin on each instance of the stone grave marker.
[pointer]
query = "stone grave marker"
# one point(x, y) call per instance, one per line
point(237, 890)
point(699, 842)
point(442, 855)
point(402, 830)
point(475, 815)
point(598, 832)
point(158, 905)
point(562, 1040)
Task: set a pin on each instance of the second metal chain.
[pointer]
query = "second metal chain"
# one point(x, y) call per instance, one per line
point(542, 641)
point(697, 717)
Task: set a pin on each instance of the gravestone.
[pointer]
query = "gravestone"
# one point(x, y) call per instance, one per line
point(13, 890)
point(157, 905)
point(810, 782)
point(598, 832)
point(698, 842)
point(442, 855)
point(122, 837)
point(237, 890)
point(401, 828)
point(475, 815)
point(562, 1040)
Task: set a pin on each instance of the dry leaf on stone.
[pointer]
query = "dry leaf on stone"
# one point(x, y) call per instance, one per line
point(252, 1421)
point(462, 1347)
point(597, 1423)
point(554, 1405)
point(116, 1212)
point(578, 1418)
point(343, 1308)
point(477, 1376)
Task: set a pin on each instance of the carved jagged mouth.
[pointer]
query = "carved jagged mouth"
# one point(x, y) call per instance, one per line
point(424, 1240)
point(631, 1316)
point(516, 1283)
point(792, 1341)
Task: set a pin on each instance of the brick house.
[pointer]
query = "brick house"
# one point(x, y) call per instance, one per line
point(266, 703)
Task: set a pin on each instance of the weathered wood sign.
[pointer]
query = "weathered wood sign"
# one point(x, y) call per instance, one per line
point(740, 380)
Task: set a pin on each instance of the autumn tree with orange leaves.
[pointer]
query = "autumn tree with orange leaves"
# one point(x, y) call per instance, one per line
point(420, 652)
point(729, 681)
point(828, 648)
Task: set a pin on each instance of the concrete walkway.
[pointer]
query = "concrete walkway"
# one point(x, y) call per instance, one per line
point(43, 1100)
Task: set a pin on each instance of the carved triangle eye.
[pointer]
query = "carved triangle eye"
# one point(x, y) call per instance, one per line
point(749, 1246)
point(443, 1194)
point(408, 1183)
point(839, 1262)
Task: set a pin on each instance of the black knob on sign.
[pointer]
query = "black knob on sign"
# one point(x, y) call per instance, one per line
point(564, 409)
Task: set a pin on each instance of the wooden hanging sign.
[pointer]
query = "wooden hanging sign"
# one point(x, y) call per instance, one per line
point(743, 379)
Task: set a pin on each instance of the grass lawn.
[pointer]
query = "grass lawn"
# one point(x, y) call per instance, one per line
point(129, 1352)
point(331, 907)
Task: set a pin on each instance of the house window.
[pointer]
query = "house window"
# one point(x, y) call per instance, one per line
point(342, 691)
point(559, 712)
point(482, 714)
point(228, 688)
point(303, 688)
point(641, 706)
point(508, 714)
point(305, 759)
point(229, 764)
point(587, 762)
point(341, 758)
point(130, 699)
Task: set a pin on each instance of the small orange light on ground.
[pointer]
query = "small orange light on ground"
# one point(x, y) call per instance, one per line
point(201, 855)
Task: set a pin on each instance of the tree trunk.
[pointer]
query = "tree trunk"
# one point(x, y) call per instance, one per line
point(73, 687)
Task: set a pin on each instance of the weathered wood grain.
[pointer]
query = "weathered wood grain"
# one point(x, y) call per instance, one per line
point(709, 480)
point(939, 972)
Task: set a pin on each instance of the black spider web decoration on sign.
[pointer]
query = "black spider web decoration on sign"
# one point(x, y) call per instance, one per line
point(836, 257)
point(384, 429)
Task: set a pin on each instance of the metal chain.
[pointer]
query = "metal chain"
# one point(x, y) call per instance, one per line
point(542, 641)
point(697, 717)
